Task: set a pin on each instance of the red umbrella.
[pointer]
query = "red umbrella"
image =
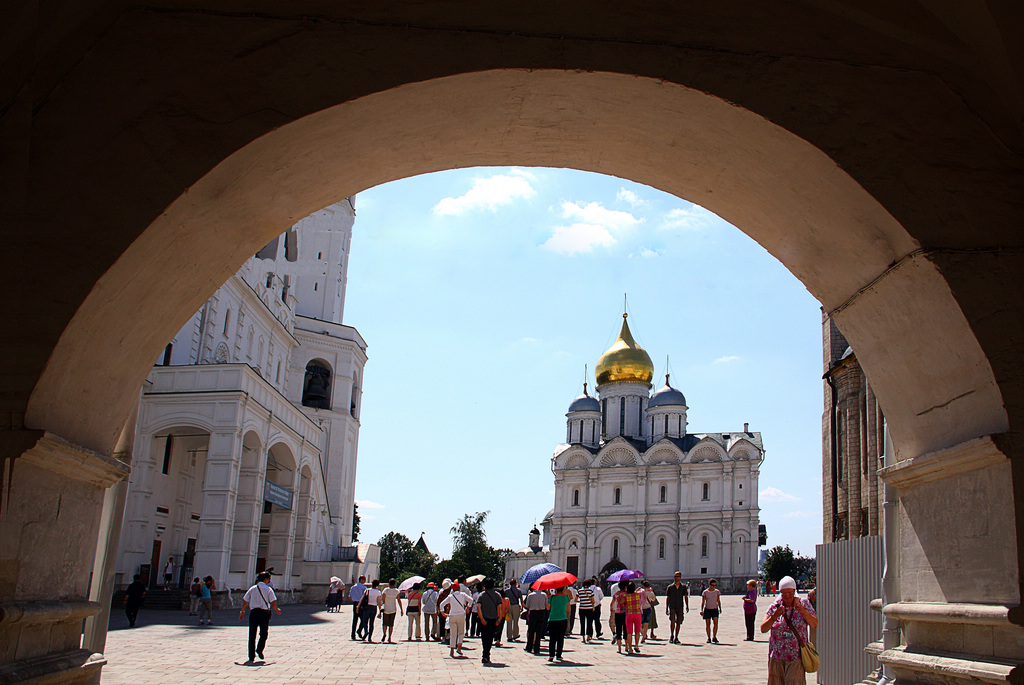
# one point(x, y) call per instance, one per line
point(551, 581)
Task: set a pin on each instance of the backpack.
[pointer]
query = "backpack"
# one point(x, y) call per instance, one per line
point(198, 591)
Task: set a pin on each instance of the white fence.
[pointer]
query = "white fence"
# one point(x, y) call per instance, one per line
point(849, 577)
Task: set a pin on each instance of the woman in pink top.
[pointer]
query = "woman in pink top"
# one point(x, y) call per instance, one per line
point(633, 602)
point(710, 607)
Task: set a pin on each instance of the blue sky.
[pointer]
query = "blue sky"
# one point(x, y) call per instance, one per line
point(482, 293)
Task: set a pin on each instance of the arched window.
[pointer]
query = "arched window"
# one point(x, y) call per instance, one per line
point(661, 548)
point(355, 396)
point(703, 545)
point(615, 548)
point(575, 498)
point(706, 492)
point(618, 495)
point(664, 494)
point(316, 388)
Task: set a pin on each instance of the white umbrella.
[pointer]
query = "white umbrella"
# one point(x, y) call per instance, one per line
point(475, 579)
point(409, 582)
point(335, 579)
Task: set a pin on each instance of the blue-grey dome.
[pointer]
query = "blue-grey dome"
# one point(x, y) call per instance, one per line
point(667, 396)
point(584, 403)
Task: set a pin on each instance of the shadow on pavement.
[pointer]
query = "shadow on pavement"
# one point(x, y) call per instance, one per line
point(291, 615)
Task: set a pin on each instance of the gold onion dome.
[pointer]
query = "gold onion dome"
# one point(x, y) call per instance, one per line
point(625, 361)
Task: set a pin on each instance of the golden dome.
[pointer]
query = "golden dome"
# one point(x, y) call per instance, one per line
point(624, 361)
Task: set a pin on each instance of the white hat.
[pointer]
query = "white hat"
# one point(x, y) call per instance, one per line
point(787, 583)
point(446, 583)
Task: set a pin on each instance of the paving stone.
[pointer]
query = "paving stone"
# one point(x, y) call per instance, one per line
point(308, 645)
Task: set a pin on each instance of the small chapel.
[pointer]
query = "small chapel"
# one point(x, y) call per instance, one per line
point(634, 489)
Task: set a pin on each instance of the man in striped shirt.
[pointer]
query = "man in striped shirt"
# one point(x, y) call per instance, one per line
point(585, 597)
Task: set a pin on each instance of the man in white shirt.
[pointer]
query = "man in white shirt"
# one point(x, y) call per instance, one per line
point(390, 604)
point(355, 593)
point(454, 607)
point(598, 598)
point(259, 599)
point(169, 573)
point(430, 611)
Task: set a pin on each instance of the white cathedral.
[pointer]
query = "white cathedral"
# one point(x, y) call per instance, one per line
point(248, 426)
point(634, 490)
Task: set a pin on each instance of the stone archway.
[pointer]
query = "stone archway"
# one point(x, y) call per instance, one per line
point(812, 129)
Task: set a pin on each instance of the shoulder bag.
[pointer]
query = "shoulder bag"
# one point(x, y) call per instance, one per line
point(808, 654)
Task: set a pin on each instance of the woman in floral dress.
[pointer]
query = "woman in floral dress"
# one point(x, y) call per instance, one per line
point(784, 666)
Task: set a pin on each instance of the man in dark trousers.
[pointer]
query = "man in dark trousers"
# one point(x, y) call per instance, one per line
point(133, 599)
point(260, 599)
point(489, 609)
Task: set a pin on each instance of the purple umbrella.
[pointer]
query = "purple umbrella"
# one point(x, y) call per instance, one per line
point(624, 574)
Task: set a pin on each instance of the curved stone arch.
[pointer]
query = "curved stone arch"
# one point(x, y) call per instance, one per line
point(180, 419)
point(670, 532)
point(743, 450)
point(619, 531)
point(576, 460)
point(664, 455)
point(618, 456)
point(706, 452)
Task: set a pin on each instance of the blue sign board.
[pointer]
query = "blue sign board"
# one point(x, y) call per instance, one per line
point(275, 494)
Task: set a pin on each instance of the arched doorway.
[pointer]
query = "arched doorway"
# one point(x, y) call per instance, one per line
point(274, 549)
point(814, 157)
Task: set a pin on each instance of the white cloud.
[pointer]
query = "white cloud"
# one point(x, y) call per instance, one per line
point(648, 253)
point(490, 193)
point(776, 495)
point(693, 218)
point(630, 198)
point(724, 360)
point(529, 340)
point(592, 225)
point(801, 514)
point(569, 240)
point(367, 504)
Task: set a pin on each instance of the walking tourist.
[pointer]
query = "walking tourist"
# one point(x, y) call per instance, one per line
point(454, 608)
point(195, 594)
point(414, 611)
point(750, 608)
point(572, 610)
point(259, 599)
point(536, 605)
point(710, 608)
point(133, 599)
point(646, 608)
point(633, 602)
point(558, 620)
point(598, 598)
point(788, 619)
point(442, 620)
point(515, 610)
point(390, 605)
point(619, 613)
point(334, 594)
point(206, 601)
point(169, 573)
point(490, 608)
point(585, 597)
point(355, 593)
point(677, 603)
point(368, 611)
point(430, 612)
point(472, 622)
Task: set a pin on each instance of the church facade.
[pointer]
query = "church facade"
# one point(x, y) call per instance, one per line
point(634, 489)
point(248, 425)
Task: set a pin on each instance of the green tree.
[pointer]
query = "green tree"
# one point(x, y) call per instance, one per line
point(395, 550)
point(779, 562)
point(355, 523)
point(806, 569)
point(470, 552)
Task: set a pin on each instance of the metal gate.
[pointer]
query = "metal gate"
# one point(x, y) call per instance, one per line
point(849, 577)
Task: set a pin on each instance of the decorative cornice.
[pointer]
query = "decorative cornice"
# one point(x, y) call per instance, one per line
point(937, 612)
point(951, 668)
point(951, 461)
point(39, 613)
point(60, 456)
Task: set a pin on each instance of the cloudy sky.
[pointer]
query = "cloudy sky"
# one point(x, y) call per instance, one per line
point(482, 293)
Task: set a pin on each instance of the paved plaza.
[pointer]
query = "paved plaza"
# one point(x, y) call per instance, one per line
point(309, 645)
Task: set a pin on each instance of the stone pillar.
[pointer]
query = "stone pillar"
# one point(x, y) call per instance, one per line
point(213, 548)
point(51, 513)
point(959, 589)
point(871, 448)
point(849, 405)
point(248, 511)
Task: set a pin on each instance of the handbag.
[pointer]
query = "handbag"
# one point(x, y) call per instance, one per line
point(808, 654)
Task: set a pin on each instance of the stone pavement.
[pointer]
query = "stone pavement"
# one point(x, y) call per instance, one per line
point(309, 645)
